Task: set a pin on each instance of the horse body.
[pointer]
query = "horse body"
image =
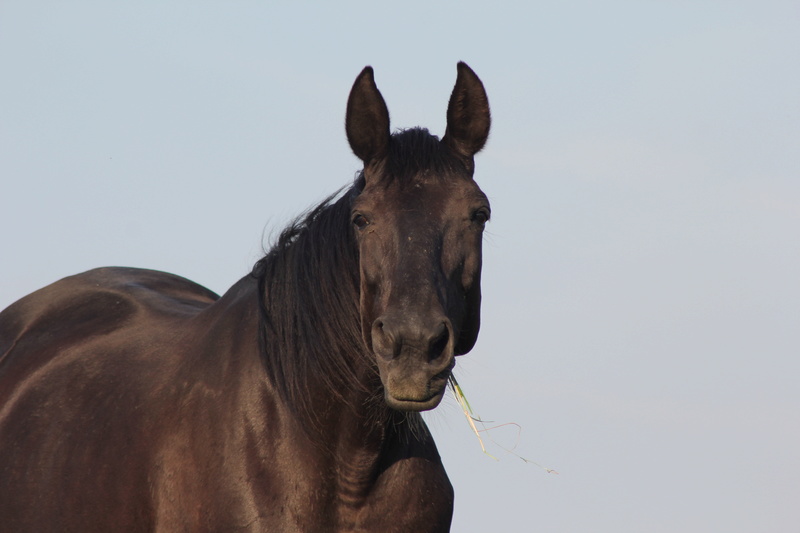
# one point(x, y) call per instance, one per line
point(165, 415)
point(135, 400)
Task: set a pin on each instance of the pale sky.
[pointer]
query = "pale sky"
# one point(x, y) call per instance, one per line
point(641, 314)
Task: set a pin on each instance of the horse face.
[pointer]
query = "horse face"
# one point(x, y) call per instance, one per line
point(420, 264)
point(419, 224)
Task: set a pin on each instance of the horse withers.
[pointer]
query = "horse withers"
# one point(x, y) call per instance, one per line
point(134, 400)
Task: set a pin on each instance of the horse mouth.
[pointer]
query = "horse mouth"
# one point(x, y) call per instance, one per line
point(403, 404)
point(423, 400)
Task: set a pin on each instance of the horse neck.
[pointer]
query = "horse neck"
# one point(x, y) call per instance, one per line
point(354, 416)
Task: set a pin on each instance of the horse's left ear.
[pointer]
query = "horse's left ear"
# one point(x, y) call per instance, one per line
point(367, 119)
point(468, 117)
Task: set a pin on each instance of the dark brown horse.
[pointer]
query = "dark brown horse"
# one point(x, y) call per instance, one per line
point(135, 400)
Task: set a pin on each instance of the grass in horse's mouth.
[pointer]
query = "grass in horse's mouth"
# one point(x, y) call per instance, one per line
point(472, 418)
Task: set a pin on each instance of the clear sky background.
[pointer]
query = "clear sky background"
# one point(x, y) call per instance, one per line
point(642, 297)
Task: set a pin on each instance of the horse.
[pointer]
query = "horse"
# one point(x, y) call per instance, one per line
point(138, 401)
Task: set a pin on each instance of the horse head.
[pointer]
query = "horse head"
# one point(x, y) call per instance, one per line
point(418, 222)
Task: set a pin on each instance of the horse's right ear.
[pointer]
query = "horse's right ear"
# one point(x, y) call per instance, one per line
point(367, 121)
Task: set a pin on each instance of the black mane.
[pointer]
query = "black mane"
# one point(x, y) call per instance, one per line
point(308, 303)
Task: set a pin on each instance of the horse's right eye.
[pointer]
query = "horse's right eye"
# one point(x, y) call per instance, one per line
point(360, 221)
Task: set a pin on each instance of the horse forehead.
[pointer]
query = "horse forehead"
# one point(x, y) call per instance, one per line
point(424, 194)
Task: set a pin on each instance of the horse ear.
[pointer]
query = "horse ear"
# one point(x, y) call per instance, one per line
point(468, 117)
point(367, 119)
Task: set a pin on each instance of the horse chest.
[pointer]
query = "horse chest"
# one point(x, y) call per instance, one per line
point(394, 503)
point(404, 491)
point(414, 494)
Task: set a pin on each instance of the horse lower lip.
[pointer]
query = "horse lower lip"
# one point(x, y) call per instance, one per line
point(416, 404)
point(418, 400)
point(433, 392)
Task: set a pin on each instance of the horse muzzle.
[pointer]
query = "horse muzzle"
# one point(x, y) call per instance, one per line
point(414, 359)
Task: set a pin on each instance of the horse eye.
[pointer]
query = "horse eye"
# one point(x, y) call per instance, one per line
point(360, 221)
point(481, 216)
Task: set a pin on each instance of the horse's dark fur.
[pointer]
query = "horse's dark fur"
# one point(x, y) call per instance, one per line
point(135, 400)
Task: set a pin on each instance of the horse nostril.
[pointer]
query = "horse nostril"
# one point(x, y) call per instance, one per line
point(383, 340)
point(439, 343)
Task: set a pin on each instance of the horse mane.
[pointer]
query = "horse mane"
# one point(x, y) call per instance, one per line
point(309, 291)
point(308, 298)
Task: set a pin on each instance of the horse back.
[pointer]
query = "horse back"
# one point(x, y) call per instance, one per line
point(106, 304)
point(85, 365)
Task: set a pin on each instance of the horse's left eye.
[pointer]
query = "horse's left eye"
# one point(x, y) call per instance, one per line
point(480, 216)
